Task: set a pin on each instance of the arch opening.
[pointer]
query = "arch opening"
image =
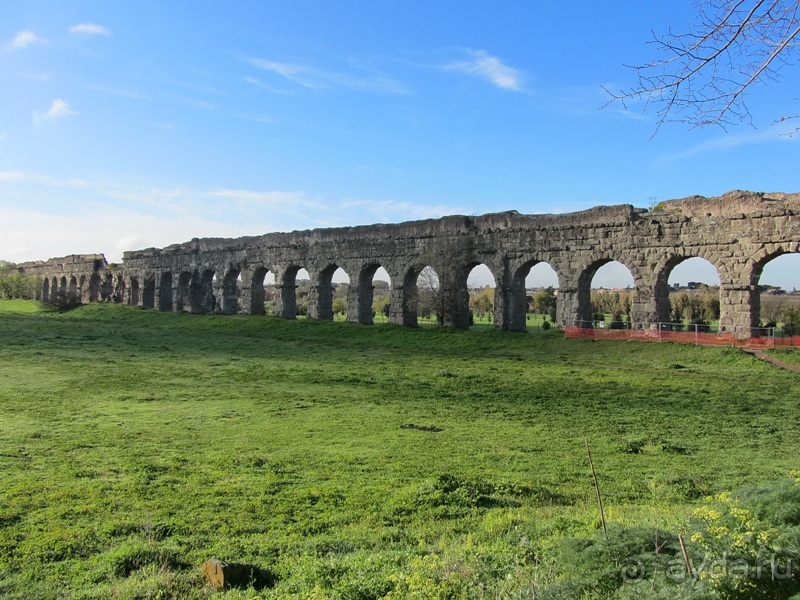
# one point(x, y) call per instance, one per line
point(294, 292)
point(324, 302)
point(183, 297)
point(340, 288)
point(134, 292)
point(231, 290)
point(165, 292)
point(107, 288)
point(120, 290)
point(423, 303)
point(262, 292)
point(481, 290)
point(605, 295)
point(374, 300)
point(688, 294)
point(533, 297)
point(775, 307)
point(204, 301)
point(94, 287)
point(149, 292)
point(46, 290)
point(72, 291)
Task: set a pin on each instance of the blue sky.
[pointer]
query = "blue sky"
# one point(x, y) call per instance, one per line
point(125, 125)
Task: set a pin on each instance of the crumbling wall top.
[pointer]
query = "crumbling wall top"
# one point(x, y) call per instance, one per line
point(732, 204)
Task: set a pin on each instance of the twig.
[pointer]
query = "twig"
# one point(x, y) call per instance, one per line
point(597, 489)
point(686, 556)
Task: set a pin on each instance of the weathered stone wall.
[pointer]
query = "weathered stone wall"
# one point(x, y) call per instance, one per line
point(78, 277)
point(738, 233)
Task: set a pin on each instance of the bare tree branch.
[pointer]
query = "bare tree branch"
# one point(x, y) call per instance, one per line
point(704, 74)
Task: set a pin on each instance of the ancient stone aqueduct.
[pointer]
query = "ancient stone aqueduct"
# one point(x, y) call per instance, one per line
point(738, 233)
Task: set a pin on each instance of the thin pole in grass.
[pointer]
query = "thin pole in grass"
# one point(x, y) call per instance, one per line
point(686, 556)
point(596, 489)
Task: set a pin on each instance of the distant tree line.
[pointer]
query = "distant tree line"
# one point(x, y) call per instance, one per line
point(14, 284)
point(781, 311)
point(695, 308)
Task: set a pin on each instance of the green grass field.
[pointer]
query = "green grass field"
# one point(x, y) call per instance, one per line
point(361, 462)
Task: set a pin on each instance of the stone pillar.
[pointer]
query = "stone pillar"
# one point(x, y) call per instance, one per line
point(156, 296)
point(644, 308)
point(320, 302)
point(359, 303)
point(400, 310)
point(286, 301)
point(83, 290)
point(568, 307)
point(736, 308)
point(454, 302)
point(229, 293)
point(216, 299)
point(514, 305)
point(178, 300)
point(246, 295)
point(501, 321)
point(133, 292)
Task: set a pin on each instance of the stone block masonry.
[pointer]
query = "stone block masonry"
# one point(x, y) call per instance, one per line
point(738, 233)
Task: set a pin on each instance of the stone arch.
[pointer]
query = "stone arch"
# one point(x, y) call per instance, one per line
point(94, 287)
point(183, 296)
point(584, 313)
point(517, 300)
point(72, 290)
point(149, 291)
point(107, 287)
point(363, 310)
point(754, 270)
point(662, 287)
point(120, 290)
point(286, 292)
point(430, 295)
point(755, 265)
point(46, 290)
point(258, 298)
point(231, 283)
point(464, 293)
point(133, 299)
point(320, 302)
point(201, 291)
point(165, 291)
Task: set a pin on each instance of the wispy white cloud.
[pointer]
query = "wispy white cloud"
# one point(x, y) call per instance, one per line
point(256, 118)
point(117, 92)
point(314, 78)
point(394, 210)
point(198, 104)
point(43, 77)
point(775, 133)
point(12, 176)
point(89, 29)
point(22, 40)
point(482, 64)
point(125, 215)
point(58, 110)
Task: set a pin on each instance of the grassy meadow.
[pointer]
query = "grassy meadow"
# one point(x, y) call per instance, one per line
point(358, 462)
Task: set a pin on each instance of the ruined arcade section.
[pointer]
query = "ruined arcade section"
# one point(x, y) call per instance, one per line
point(738, 233)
